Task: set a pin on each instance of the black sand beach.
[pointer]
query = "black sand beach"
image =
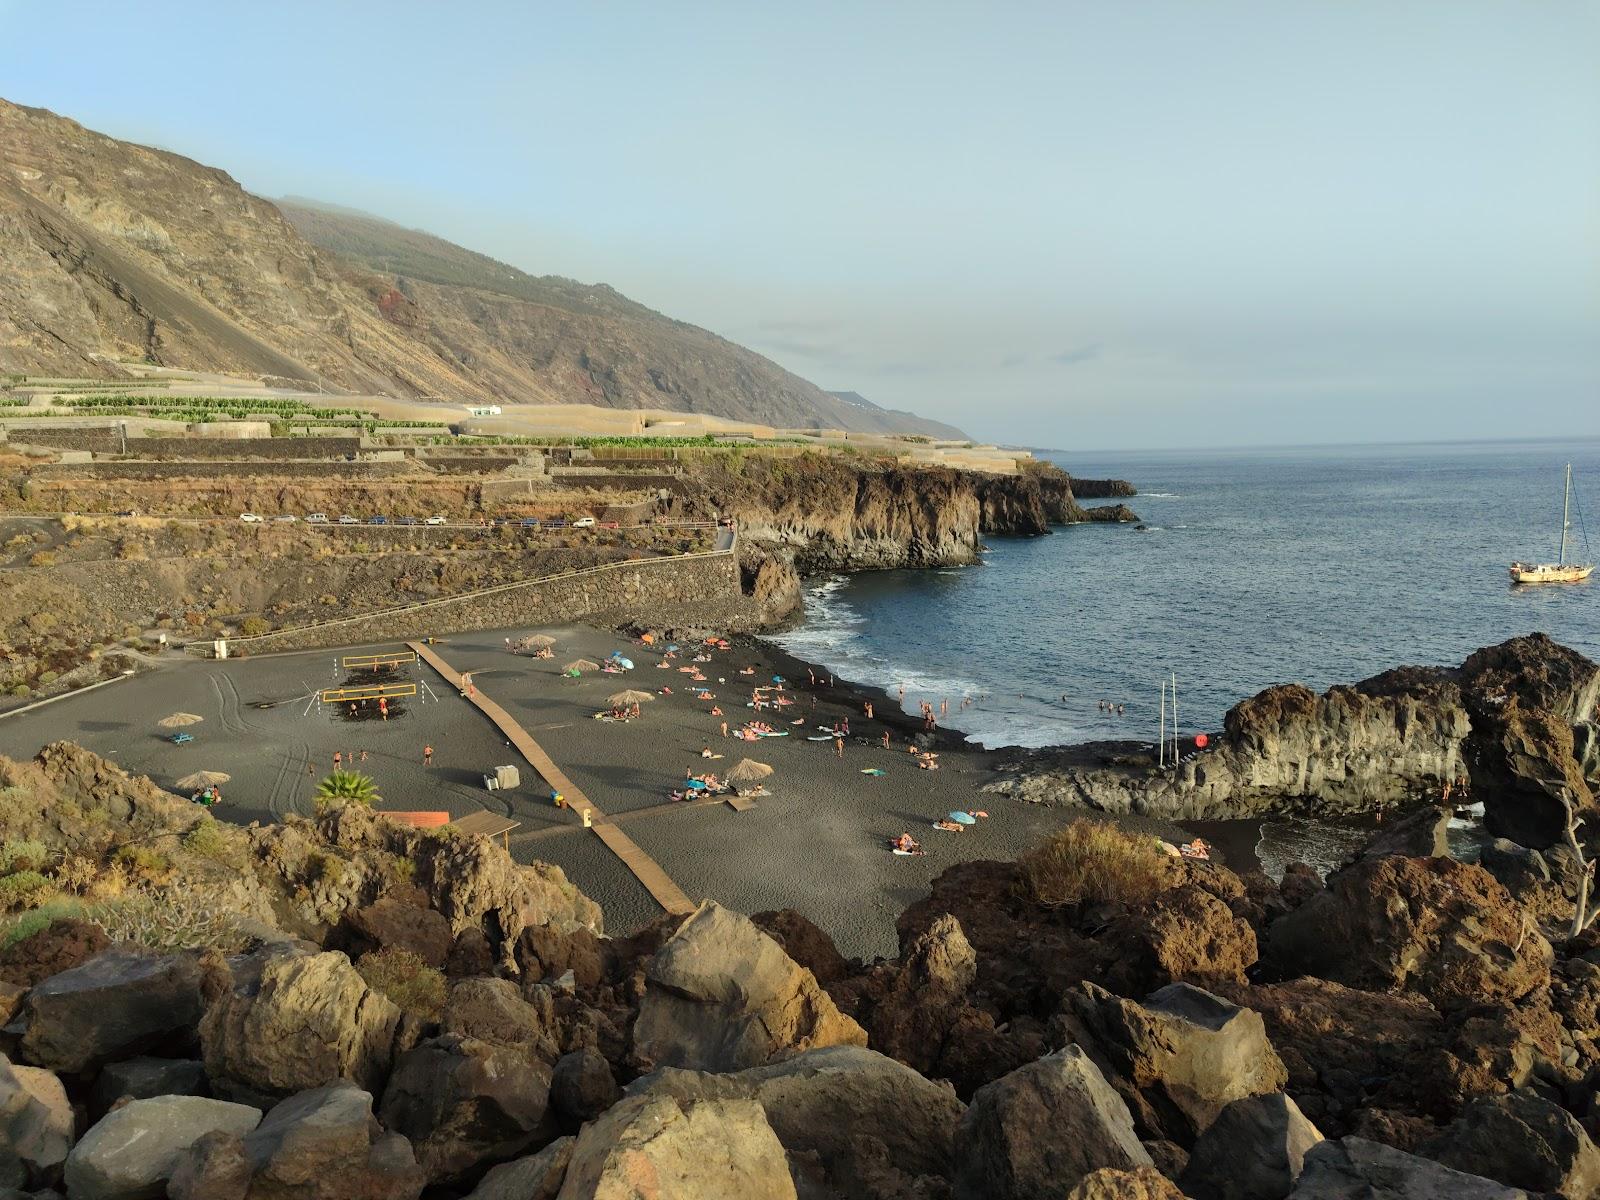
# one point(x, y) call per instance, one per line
point(818, 843)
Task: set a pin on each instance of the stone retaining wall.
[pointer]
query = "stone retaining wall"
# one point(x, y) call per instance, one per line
point(698, 589)
point(234, 470)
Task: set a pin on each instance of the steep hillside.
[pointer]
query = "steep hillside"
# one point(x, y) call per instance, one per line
point(909, 422)
point(120, 251)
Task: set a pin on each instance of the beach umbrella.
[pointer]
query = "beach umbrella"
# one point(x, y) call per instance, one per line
point(178, 720)
point(533, 641)
point(625, 663)
point(204, 779)
point(748, 770)
point(695, 785)
point(581, 664)
point(629, 696)
point(961, 818)
point(778, 679)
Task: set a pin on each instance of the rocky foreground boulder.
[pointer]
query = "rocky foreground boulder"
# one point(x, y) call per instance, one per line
point(722, 996)
point(131, 1153)
point(1357, 1169)
point(36, 1126)
point(292, 1020)
point(1041, 1128)
point(116, 1004)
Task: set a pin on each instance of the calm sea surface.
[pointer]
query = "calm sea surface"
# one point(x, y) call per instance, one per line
point(1321, 565)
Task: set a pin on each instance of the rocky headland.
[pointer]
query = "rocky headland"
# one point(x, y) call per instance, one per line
point(1514, 727)
point(340, 1007)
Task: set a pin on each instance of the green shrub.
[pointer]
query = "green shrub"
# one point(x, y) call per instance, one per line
point(23, 856)
point(145, 862)
point(326, 867)
point(210, 840)
point(23, 889)
point(182, 917)
point(255, 626)
point(25, 925)
point(402, 976)
point(404, 869)
point(1090, 862)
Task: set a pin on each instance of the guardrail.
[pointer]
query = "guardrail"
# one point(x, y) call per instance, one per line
point(731, 536)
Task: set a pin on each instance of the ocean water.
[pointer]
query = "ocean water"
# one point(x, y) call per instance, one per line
point(1321, 566)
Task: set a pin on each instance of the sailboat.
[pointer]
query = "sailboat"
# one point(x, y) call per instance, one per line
point(1560, 571)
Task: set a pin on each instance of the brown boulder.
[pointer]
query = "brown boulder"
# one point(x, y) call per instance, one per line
point(805, 943)
point(721, 995)
point(321, 1144)
point(1524, 1141)
point(1042, 1128)
point(1356, 1169)
point(59, 946)
point(1178, 1058)
point(1187, 935)
point(1141, 1183)
point(655, 1147)
point(117, 1004)
point(914, 1008)
point(36, 1126)
point(493, 1011)
point(463, 1103)
point(1444, 929)
point(545, 953)
point(295, 1021)
point(1254, 1150)
point(395, 922)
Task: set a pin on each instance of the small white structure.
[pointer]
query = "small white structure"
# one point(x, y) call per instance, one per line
point(220, 648)
point(483, 410)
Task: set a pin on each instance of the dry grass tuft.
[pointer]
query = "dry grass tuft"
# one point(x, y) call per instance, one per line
point(412, 984)
point(1090, 862)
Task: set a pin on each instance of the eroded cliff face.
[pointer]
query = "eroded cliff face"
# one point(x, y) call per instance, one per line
point(1517, 721)
point(826, 513)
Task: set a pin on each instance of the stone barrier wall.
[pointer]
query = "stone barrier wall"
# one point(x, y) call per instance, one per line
point(234, 470)
point(700, 589)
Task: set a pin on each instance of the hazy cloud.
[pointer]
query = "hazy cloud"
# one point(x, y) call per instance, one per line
point(1083, 354)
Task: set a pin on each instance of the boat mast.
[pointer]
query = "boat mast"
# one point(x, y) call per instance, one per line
point(1161, 759)
point(1566, 523)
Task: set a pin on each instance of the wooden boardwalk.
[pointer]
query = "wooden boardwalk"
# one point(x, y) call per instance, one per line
point(656, 881)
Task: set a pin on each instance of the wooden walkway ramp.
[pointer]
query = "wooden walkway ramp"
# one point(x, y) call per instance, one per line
point(656, 881)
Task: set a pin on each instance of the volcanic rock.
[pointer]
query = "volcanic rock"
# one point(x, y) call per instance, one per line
point(721, 996)
point(395, 922)
point(116, 1004)
point(804, 942)
point(1524, 1141)
point(654, 1146)
point(141, 1078)
point(1445, 929)
point(59, 946)
point(1179, 1058)
point(537, 1177)
point(463, 1102)
point(493, 1011)
point(1141, 1183)
point(130, 1153)
point(1356, 1169)
point(582, 1087)
point(844, 1108)
point(36, 1126)
point(321, 1144)
point(1254, 1150)
point(295, 1021)
point(1042, 1128)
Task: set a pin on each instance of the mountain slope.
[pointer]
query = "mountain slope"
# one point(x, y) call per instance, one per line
point(119, 251)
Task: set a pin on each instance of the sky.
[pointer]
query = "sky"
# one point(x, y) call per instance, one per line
point(1079, 225)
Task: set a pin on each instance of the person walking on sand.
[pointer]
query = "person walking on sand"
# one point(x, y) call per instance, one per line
point(427, 756)
point(885, 739)
point(868, 707)
point(363, 756)
point(338, 760)
point(724, 729)
point(902, 693)
point(838, 748)
point(383, 707)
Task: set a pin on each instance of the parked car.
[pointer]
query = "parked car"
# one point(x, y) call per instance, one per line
point(250, 518)
point(554, 524)
point(530, 522)
point(317, 519)
point(286, 518)
point(347, 519)
point(406, 521)
point(378, 521)
point(610, 525)
point(436, 519)
point(583, 523)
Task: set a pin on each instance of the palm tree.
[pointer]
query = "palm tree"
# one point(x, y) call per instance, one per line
point(346, 787)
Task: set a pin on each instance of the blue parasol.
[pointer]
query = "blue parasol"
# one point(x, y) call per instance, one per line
point(961, 818)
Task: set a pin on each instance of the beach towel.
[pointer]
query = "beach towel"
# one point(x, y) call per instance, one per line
point(821, 737)
point(872, 770)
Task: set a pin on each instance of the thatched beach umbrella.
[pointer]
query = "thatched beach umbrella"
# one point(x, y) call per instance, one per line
point(204, 779)
point(748, 770)
point(178, 720)
point(629, 696)
point(581, 664)
point(533, 641)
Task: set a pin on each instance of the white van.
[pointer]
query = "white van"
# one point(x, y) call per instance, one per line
point(583, 523)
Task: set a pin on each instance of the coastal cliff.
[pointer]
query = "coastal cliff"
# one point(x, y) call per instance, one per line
point(1516, 721)
point(816, 513)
